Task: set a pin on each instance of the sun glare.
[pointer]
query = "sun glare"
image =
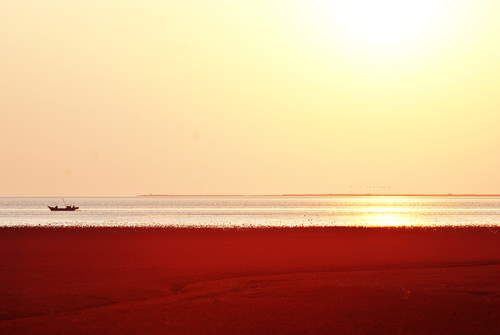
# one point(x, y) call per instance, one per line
point(384, 28)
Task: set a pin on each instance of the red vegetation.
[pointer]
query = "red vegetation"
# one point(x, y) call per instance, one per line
point(253, 281)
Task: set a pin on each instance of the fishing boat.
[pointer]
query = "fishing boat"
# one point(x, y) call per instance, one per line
point(66, 208)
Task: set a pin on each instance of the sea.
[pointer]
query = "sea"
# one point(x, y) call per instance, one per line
point(253, 211)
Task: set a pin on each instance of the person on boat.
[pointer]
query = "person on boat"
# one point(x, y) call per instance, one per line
point(56, 207)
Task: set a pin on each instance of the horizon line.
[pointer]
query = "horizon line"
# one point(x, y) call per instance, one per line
point(325, 195)
point(271, 195)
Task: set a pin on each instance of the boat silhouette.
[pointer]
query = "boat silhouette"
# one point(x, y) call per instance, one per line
point(67, 208)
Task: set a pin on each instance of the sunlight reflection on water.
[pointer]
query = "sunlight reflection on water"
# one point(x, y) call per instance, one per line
point(227, 211)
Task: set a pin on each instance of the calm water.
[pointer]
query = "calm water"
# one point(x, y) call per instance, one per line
point(230, 211)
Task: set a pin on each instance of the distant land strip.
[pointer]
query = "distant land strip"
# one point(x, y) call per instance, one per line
point(329, 195)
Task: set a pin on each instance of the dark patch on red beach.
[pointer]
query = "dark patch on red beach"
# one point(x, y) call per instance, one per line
point(259, 280)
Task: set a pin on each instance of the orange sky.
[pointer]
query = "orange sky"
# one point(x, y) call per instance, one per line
point(249, 97)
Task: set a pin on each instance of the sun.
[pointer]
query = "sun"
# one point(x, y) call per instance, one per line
point(383, 28)
point(387, 23)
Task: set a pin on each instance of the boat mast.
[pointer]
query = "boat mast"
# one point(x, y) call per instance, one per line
point(64, 202)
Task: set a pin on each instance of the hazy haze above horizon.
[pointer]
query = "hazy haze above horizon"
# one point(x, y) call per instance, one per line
point(249, 97)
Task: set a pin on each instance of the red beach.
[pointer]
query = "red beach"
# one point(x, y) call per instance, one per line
point(250, 281)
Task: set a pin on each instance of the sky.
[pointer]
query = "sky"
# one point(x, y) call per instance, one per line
point(108, 97)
